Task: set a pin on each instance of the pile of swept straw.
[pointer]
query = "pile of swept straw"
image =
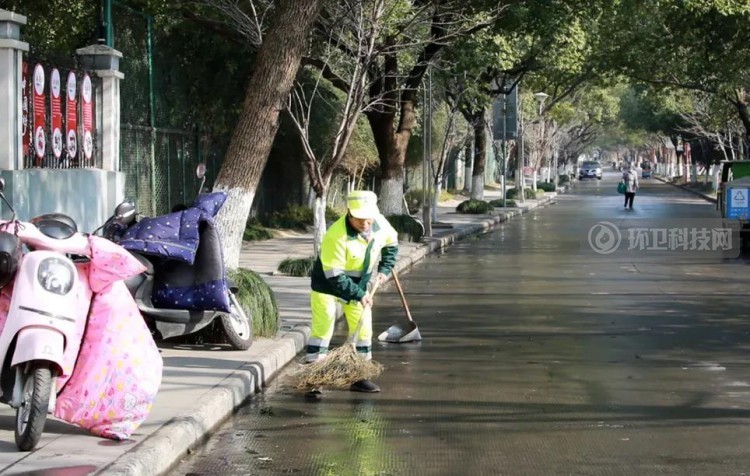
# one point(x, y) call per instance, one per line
point(340, 368)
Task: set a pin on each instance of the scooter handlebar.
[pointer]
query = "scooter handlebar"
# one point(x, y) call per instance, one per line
point(78, 244)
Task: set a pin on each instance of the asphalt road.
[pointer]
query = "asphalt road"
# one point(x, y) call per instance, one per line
point(540, 356)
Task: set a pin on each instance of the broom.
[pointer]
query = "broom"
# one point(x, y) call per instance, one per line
point(341, 367)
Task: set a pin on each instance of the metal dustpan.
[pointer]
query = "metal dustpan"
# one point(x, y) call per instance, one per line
point(396, 333)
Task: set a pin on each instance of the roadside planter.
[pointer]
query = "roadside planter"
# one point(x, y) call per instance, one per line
point(409, 229)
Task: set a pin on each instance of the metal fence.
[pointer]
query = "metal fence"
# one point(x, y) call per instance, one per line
point(160, 147)
point(159, 166)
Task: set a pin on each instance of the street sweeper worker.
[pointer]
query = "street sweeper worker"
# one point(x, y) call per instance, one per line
point(358, 250)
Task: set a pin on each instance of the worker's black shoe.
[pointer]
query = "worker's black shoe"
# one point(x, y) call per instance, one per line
point(313, 395)
point(364, 386)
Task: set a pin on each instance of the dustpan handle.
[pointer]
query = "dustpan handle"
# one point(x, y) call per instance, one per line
point(403, 298)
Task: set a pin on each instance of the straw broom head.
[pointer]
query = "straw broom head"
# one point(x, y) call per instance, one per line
point(340, 368)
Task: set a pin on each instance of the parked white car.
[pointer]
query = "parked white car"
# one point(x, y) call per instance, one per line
point(590, 170)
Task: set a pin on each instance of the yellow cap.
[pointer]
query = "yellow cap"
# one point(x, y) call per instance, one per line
point(362, 204)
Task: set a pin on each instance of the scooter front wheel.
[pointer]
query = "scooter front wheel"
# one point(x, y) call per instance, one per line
point(32, 414)
point(237, 326)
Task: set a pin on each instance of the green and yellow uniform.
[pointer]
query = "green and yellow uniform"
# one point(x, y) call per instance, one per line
point(348, 259)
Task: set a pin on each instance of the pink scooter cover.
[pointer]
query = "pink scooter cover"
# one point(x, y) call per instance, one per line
point(119, 368)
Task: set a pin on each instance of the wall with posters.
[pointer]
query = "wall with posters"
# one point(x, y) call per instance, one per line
point(59, 166)
point(59, 110)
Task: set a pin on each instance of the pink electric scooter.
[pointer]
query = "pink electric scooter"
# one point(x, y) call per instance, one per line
point(41, 335)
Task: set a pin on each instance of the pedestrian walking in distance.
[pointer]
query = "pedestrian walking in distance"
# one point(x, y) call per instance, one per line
point(358, 250)
point(630, 179)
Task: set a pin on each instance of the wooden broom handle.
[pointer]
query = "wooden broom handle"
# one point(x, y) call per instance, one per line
point(401, 294)
point(375, 287)
point(359, 324)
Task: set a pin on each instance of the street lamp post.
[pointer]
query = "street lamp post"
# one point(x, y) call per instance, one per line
point(520, 179)
point(427, 156)
point(505, 156)
point(540, 97)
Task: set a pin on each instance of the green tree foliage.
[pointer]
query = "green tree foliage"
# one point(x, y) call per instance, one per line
point(693, 45)
point(655, 111)
point(56, 28)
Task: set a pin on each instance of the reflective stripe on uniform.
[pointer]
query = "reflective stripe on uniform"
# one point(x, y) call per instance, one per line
point(323, 308)
point(315, 353)
point(333, 272)
point(365, 352)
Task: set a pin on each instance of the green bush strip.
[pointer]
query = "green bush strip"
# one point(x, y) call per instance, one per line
point(297, 217)
point(406, 225)
point(258, 300)
point(474, 207)
point(299, 267)
point(498, 203)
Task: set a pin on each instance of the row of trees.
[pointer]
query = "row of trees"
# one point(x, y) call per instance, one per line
point(627, 73)
point(377, 54)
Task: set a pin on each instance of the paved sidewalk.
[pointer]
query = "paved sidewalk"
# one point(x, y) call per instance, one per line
point(706, 196)
point(202, 385)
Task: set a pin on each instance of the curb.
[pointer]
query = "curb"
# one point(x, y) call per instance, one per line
point(164, 448)
point(694, 192)
point(439, 243)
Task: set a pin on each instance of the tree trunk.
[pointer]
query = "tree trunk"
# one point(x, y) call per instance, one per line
point(744, 113)
point(436, 199)
point(307, 186)
point(267, 91)
point(392, 144)
point(469, 159)
point(480, 154)
point(319, 222)
point(477, 187)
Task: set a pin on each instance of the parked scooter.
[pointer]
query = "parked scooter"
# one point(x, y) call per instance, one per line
point(43, 326)
point(236, 325)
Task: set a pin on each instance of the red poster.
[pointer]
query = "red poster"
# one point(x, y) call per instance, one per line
point(71, 116)
point(40, 118)
point(88, 117)
point(25, 135)
point(56, 113)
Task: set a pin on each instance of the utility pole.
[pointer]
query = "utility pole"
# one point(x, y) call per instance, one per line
point(521, 159)
point(541, 97)
point(505, 147)
point(427, 155)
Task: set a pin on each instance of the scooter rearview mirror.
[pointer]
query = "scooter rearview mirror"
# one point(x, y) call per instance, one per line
point(125, 213)
point(5, 200)
point(200, 171)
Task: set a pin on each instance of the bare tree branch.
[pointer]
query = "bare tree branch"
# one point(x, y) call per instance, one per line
point(245, 17)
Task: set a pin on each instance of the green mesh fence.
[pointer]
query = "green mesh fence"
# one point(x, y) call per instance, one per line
point(160, 165)
point(160, 148)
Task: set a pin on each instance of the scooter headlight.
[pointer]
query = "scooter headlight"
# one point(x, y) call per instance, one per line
point(55, 275)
